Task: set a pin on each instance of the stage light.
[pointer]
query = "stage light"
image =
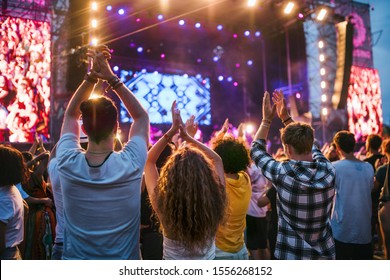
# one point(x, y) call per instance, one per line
point(229, 79)
point(197, 25)
point(155, 72)
point(219, 27)
point(252, 3)
point(289, 8)
point(109, 8)
point(238, 65)
point(181, 22)
point(215, 58)
point(247, 33)
point(257, 33)
point(322, 57)
point(115, 68)
point(322, 14)
point(324, 98)
point(322, 71)
point(235, 84)
point(249, 128)
point(138, 20)
point(162, 55)
point(220, 78)
point(324, 111)
point(249, 62)
point(300, 16)
point(94, 23)
point(235, 36)
point(160, 17)
point(94, 42)
point(199, 60)
point(298, 95)
point(94, 6)
point(323, 84)
point(140, 49)
point(121, 11)
point(94, 95)
point(321, 44)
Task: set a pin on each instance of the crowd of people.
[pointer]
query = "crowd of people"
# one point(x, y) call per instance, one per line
point(183, 199)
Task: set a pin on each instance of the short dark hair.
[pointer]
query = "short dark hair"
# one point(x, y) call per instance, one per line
point(386, 146)
point(13, 168)
point(374, 141)
point(299, 135)
point(345, 140)
point(234, 154)
point(100, 117)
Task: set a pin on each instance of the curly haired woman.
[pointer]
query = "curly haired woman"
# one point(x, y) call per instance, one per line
point(188, 196)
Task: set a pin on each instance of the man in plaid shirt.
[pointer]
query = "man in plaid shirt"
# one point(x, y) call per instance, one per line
point(304, 183)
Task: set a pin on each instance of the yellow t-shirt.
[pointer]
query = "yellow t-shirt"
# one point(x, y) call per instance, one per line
point(230, 236)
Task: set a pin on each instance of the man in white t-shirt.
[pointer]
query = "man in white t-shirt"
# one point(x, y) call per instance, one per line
point(100, 187)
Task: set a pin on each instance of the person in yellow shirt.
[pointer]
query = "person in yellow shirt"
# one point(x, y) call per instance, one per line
point(230, 243)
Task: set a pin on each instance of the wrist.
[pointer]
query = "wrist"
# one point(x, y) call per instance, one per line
point(90, 78)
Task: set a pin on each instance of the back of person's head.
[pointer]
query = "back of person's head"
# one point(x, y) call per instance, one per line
point(345, 141)
point(13, 168)
point(191, 198)
point(99, 116)
point(234, 154)
point(299, 135)
point(386, 146)
point(374, 141)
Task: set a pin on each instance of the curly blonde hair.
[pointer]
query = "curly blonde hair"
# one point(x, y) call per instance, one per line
point(190, 198)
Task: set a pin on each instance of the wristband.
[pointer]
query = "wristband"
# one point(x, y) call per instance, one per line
point(266, 121)
point(265, 125)
point(287, 120)
point(167, 137)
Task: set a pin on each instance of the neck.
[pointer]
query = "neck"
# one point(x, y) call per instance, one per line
point(349, 156)
point(104, 147)
point(305, 157)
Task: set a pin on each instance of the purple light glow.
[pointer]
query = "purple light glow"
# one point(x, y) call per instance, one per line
point(160, 17)
point(162, 55)
point(109, 8)
point(298, 95)
point(220, 27)
point(235, 36)
point(121, 12)
point(300, 15)
point(235, 84)
point(140, 49)
point(238, 65)
point(181, 22)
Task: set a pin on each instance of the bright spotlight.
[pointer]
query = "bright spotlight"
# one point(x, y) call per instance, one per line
point(219, 27)
point(94, 23)
point(322, 57)
point(181, 22)
point(321, 44)
point(323, 84)
point(322, 71)
point(324, 111)
point(322, 14)
point(249, 128)
point(94, 42)
point(251, 3)
point(324, 98)
point(289, 8)
point(121, 11)
point(94, 6)
point(109, 8)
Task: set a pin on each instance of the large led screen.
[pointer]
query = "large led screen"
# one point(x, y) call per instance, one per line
point(364, 102)
point(156, 91)
point(24, 79)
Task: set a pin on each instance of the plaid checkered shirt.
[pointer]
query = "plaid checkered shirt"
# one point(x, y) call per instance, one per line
point(305, 194)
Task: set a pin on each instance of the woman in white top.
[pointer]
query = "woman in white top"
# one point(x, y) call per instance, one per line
point(12, 171)
point(188, 196)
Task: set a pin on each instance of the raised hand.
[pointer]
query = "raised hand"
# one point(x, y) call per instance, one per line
point(241, 130)
point(176, 118)
point(281, 106)
point(269, 111)
point(100, 67)
point(191, 126)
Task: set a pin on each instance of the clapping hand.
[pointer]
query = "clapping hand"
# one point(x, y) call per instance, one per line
point(100, 67)
point(269, 111)
point(281, 106)
point(191, 126)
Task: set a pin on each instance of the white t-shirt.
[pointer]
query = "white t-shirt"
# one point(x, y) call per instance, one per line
point(259, 188)
point(101, 204)
point(58, 202)
point(351, 214)
point(12, 214)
